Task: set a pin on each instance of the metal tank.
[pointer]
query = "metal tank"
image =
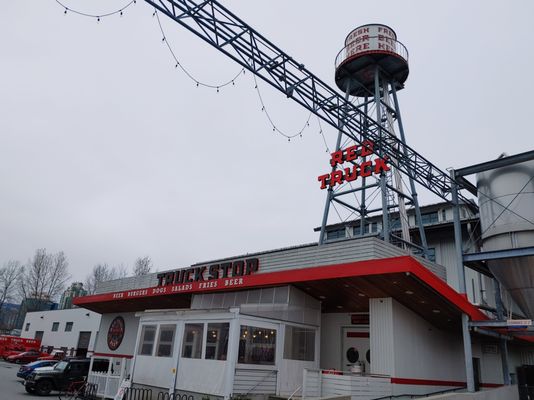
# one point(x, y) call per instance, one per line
point(367, 47)
point(506, 200)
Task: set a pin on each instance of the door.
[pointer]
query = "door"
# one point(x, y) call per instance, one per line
point(356, 353)
point(39, 335)
point(83, 344)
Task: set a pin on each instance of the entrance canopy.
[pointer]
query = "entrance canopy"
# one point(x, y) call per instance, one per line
point(343, 287)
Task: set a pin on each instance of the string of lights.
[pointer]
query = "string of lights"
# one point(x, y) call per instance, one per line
point(119, 11)
point(231, 81)
point(275, 128)
point(185, 70)
point(322, 135)
point(198, 82)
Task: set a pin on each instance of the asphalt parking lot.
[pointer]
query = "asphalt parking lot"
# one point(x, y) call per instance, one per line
point(10, 386)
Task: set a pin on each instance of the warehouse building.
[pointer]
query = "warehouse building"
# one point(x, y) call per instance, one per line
point(73, 331)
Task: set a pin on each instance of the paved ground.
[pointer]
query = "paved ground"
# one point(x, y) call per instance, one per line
point(10, 386)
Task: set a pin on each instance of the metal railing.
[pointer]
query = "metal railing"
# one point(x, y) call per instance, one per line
point(351, 49)
point(137, 394)
point(174, 396)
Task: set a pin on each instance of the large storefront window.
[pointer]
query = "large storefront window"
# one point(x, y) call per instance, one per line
point(148, 336)
point(217, 341)
point(192, 345)
point(299, 343)
point(166, 340)
point(257, 345)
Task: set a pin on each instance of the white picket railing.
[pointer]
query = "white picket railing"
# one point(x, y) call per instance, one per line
point(107, 385)
point(325, 383)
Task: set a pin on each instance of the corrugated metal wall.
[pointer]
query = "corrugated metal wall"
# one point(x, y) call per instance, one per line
point(381, 331)
point(306, 256)
point(254, 381)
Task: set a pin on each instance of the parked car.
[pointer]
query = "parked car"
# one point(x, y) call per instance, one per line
point(9, 353)
point(25, 357)
point(27, 369)
point(44, 380)
point(54, 355)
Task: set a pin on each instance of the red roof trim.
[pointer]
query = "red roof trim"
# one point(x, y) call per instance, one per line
point(402, 264)
point(426, 382)
point(112, 355)
point(435, 382)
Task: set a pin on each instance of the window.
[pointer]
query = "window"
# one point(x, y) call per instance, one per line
point(166, 340)
point(55, 326)
point(432, 254)
point(192, 345)
point(146, 345)
point(299, 343)
point(217, 341)
point(68, 326)
point(100, 365)
point(39, 335)
point(395, 223)
point(429, 218)
point(257, 345)
point(336, 234)
point(27, 326)
point(368, 228)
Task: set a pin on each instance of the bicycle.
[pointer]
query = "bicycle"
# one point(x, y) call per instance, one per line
point(79, 390)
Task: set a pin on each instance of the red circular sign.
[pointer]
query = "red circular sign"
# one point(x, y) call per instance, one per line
point(116, 333)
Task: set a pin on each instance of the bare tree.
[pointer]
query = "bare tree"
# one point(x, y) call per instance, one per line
point(102, 272)
point(120, 271)
point(9, 277)
point(45, 276)
point(142, 266)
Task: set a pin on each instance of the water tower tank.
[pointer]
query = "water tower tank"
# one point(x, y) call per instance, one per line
point(367, 47)
point(506, 200)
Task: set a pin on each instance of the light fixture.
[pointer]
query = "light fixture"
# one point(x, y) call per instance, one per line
point(322, 297)
point(408, 292)
point(361, 295)
point(339, 306)
point(436, 311)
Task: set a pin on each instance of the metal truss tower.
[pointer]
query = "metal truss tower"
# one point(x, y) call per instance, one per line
point(372, 66)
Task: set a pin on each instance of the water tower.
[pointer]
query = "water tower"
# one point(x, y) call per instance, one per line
point(370, 69)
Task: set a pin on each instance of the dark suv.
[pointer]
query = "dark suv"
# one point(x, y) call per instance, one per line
point(42, 382)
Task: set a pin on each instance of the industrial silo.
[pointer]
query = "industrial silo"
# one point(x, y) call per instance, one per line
point(506, 200)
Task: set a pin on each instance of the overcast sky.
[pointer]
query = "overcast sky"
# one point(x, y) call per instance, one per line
point(108, 153)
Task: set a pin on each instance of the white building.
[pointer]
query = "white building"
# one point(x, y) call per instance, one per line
point(72, 330)
point(356, 317)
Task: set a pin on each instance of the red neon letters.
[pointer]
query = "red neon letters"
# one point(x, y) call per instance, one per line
point(350, 154)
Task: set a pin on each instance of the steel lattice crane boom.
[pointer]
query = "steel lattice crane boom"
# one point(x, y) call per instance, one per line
point(218, 26)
